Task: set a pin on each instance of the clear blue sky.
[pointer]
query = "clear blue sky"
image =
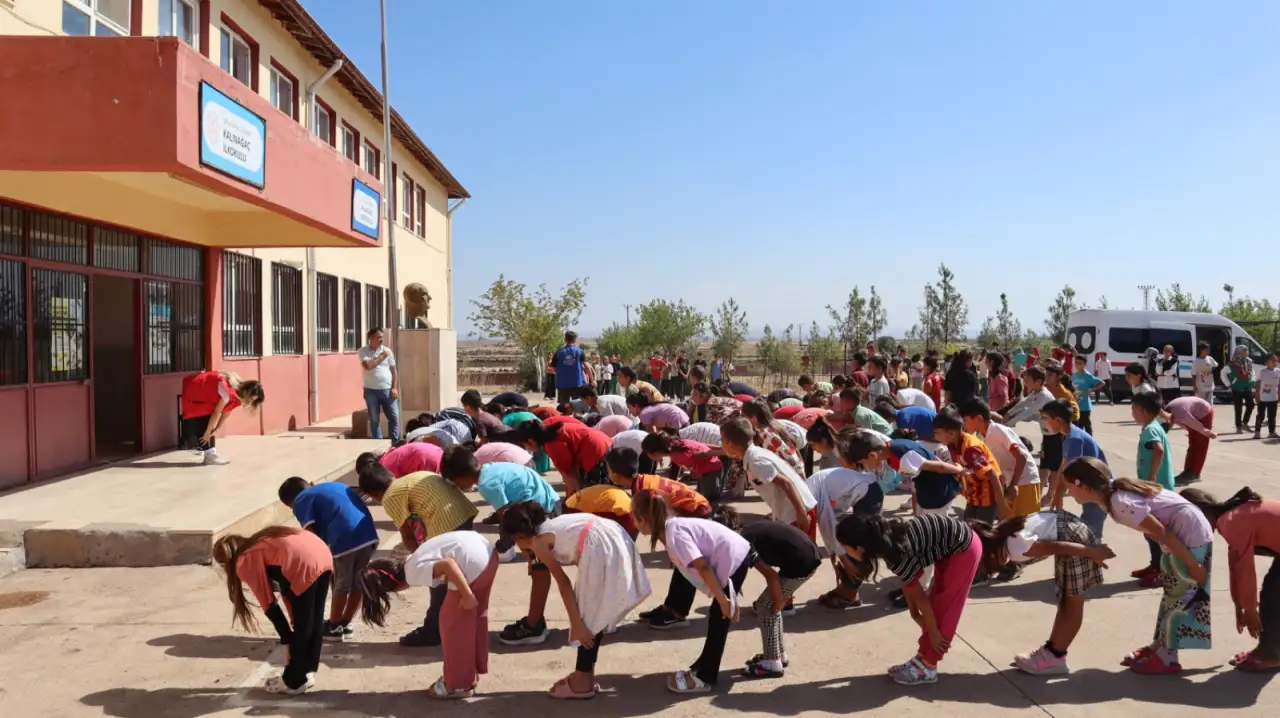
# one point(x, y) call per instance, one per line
point(794, 153)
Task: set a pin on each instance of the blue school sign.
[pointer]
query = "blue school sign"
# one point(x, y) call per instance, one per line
point(233, 140)
point(366, 209)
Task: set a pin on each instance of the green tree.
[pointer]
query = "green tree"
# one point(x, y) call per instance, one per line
point(1176, 300)
point(535, 321)
point(622, 340)
point(767, 353)
point(1103, 303)
point(886, 344)
point(850, 322)
point(952, 311)
point(729, 329)
point(876, 317)
point(1247, 311)
point(1063, 305)
point(823, 350)
point(668, 325)
point(929, 328)
point(787, 359)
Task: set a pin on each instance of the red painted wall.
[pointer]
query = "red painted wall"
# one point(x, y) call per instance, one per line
point(62, 421)
point(341, 387)
point(132, 104)
point(160, 411)
point(13, 439)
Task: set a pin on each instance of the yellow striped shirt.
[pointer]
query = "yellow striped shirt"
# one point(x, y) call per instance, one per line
point(441, 505)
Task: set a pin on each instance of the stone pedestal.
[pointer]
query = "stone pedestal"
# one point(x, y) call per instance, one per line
point(428, 364)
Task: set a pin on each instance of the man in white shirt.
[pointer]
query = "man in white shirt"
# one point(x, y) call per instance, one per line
point(1202, 369)
point(381, 385)
point(1102, 370)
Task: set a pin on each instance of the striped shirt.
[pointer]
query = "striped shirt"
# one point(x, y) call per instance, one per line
point(440, 505)
point(930, 538)
point(703, 432)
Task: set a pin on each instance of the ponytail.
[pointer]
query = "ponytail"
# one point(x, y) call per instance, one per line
point(994, 548)
point(1213, 509)
point(537, 432)
point(226, 553)
point(759, 411)
point(381, 578)
point(653, 509)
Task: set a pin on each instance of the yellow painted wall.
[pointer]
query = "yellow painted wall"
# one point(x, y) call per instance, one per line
point(419, 259)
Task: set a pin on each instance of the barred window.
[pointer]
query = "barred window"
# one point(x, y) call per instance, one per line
point(59, 239)
point(326, 312)
point(241, 305)
point(286, 309)
point(179, 261)
point(350, 315)
point(13, 322)
point(174, 317)
point(61, 332)
point(13, 230)
point(114, 249)
point(375, 308)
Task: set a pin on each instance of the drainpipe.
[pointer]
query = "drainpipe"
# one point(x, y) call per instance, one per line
point(448, 254)
point(313, 352)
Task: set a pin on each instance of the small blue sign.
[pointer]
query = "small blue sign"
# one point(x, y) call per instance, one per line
point(233, 140)
point(366, 209)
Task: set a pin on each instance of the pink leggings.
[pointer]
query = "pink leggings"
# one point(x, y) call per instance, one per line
point(952, 578)
point(464, 635)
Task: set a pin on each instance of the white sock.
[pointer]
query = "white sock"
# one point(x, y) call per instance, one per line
point(771, 664)
point(211, 452)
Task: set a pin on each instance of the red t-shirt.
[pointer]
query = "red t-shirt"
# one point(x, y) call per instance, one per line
point(788, 412)
point(655, 368)
point(859, 377)
point(577, 448)
point(933, 387)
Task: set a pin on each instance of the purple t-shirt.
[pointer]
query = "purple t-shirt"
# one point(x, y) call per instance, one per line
point(500, 451)
point(1176, 513)
point(689, 539)
point(664, 416)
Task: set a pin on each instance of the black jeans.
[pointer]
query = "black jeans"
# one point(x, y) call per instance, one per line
point(1153, 547)
point(680, 594)
point(1266, 409)
point(586, 662)
point(1086, 421)
point(707, 667)
point(193, 429)
point(1269, 612)
point(431, 624)
point(711, 485)
point(1243, 402)
point(307, 633)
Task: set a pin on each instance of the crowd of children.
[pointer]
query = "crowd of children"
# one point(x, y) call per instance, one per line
point(823, 461)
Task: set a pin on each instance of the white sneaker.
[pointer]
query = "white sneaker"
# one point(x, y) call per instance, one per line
point(214, 460)
point(510, 555)
point(277, 685)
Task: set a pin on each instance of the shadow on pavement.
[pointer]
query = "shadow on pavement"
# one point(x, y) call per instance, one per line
point(1043, 590)
point(345, 655)
point(624, 696)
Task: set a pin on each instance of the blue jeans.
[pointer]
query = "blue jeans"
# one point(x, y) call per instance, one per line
point(1093, 516)
point(379, 402)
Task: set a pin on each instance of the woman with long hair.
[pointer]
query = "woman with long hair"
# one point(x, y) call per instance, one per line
point(961, 383)
point(576, 450)
point(300, 566)
point(1183, 618)
point(207, 398)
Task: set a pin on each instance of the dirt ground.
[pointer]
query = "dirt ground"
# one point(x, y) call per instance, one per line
point(158, 643)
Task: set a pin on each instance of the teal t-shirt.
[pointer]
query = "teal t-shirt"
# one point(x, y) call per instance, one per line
point(502, 483)
point(1084, 383)
point(1153, 433)
point(868, 419)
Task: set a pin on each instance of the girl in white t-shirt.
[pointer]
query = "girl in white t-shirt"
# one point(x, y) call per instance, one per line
point(610, 580)
point(1078, 560)
point(777, 482)
point(466, 561)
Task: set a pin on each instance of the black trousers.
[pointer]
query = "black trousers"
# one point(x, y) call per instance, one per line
point(586, 662)
point(680, 594)
point(307, 633)
point(193, 429)
point(1243, 403)
point(1266, 412)
point(1269, 612)
point(707, 667)
point(431, 624)
point(1086, 421)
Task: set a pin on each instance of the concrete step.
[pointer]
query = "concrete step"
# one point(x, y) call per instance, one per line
point(12, 560)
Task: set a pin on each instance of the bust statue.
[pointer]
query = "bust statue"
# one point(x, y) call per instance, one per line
point(417, 303)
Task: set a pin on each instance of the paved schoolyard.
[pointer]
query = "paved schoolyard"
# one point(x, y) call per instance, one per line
point(157, 643)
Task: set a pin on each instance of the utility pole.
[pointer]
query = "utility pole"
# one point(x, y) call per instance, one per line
point(1146, 295)
point(389, 188)
point(628, 308)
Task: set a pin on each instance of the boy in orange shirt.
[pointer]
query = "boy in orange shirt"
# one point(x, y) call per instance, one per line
point(983, 488)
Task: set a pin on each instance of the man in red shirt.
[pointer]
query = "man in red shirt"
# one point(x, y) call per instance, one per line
point(856, 373)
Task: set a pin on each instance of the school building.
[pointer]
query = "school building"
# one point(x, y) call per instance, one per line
point(190, 184)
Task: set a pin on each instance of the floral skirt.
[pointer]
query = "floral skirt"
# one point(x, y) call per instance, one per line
point(1183, 620)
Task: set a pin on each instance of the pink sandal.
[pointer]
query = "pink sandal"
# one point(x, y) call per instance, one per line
point(1135, 656)
point(562, 691)
point(1253, 664)
point(1153, 665)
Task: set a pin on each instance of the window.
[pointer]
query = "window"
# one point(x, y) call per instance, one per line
point(99, 18)
point(1131, 340)
point(13, 322)
point(1081, 338)
point(375, 308)
point(350, 143)
point(372, 159)
point(241, 305)
point(1256, 352)
point(322, 122)
point(286, 309)
point(237, 56)
point(59, 239)
point(177, 261)
point(326, 313)
point(408, 195)
point(115, 249)
point(350, 315)
point(174, 329)
point(13, 230)
point(284, 90)
point(419, 210)
point(61, 334)
point(180, 19)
